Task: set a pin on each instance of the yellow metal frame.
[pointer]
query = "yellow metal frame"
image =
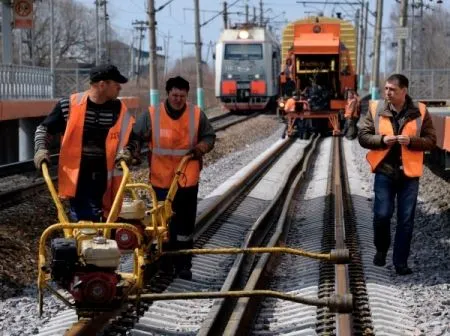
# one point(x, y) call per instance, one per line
point(157, 230)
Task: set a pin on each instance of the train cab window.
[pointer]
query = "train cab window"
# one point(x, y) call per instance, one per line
point(243, 52)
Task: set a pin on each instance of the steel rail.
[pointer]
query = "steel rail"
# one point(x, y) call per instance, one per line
point(344, 322)
point(223, 317)
point(204, 222)
point(244, 310)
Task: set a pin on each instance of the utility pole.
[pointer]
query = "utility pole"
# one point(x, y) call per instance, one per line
point(375, 90)
point(140, 26)
point(401, 40)
point(411, 45)
point(132, 57)
point(198, 56)
point(97, 33)
point(181, 60)
point(357, 38)
point(154, 92)
point(254, 14)
point(225, 15)
point(166, 59)
point(246, 13)
point(52, 53)
point(363, 58)
point(7, 56)
point(107, 47)
point(261, 19)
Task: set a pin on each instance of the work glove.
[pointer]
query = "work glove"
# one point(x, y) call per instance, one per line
point(199, 150)
point(124, 155)
point(41, 156)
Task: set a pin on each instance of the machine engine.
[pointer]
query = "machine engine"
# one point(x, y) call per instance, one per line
point(90, 274)
point(132, 212)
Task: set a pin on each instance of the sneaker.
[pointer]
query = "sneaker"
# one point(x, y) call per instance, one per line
point(379, 259)
point(403, 270)
point(185, 274)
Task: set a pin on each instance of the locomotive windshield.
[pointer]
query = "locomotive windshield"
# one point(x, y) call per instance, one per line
point(243, 51)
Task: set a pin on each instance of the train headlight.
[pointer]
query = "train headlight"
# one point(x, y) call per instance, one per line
point(257, 76)
point(229, 76)
point(243, 34)
point(281, 105)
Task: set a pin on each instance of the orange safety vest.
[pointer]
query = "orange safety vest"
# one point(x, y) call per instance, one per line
point(72, 145)
point(412, 160)
point(171, 140)
point(351, 108)
point(290, 105)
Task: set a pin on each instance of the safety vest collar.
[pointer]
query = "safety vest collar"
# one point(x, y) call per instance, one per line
point(381, 111)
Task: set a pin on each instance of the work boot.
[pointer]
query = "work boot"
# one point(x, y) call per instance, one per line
point(379, 259)
point(403, 270)
point(166, 266)
point(185, 274)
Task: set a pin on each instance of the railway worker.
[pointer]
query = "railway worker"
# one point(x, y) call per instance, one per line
point(351, 115)
point(396, 132)
point(303, 126)
point(94, 123)
point(173, 130)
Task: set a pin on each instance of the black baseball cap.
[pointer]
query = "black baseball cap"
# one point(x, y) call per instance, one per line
point(106, 72)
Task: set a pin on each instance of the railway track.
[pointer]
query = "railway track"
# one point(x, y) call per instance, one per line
point(334, 296)
point(31, 183)
point(244, 218)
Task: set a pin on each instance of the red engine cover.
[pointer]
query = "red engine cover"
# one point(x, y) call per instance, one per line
point(94, 288)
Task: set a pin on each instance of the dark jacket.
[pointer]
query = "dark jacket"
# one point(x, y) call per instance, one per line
point(392, 162)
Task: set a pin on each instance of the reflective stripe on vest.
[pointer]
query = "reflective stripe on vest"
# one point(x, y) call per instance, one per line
point(171, 140)
point(72, 148)
point(412, 161)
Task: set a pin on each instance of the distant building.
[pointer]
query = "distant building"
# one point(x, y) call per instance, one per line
point(141, 65)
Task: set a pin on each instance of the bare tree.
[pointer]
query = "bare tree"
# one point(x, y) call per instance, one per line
point(431, 38)
point(74, 34)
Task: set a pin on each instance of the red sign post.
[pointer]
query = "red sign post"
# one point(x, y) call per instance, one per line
point(23, 14)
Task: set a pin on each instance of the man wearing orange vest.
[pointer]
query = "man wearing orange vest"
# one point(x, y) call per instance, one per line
point(95, 126)
point(396, 132)
point(351, 115)
point(174, 129)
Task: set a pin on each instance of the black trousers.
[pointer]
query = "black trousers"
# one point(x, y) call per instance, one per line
point(182, 224)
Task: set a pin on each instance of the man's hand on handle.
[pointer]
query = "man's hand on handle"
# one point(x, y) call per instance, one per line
point(41, 156)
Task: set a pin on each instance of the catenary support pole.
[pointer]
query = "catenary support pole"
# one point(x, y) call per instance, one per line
point(401, 41)
point(375, 90)
point(363, 57)
point(198, 56)
point(154, 92)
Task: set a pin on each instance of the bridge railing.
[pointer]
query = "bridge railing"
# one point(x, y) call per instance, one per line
point(30, 82)
point(429, 83)
point(21, 81)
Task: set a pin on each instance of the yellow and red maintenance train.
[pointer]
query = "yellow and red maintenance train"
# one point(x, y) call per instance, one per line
point(319, 60)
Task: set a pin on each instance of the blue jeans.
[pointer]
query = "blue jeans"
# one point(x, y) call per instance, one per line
point(386, 189)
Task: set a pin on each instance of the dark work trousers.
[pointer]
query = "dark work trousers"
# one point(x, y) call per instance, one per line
point(87, 203)
point(386, 189)
point(181, 226)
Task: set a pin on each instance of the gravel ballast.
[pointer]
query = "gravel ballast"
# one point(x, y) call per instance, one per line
point(426, 290)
